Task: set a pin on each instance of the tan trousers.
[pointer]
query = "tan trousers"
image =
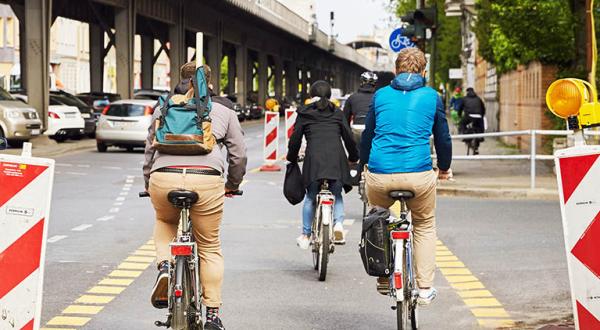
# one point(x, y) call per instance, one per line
point(206, 217)
point(422, 208)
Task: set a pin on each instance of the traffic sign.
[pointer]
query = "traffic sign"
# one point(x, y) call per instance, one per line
point(398, 41)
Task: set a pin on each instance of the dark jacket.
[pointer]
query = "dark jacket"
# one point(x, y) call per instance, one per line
point(472, 105)
point(325, 155)
point(357, 105)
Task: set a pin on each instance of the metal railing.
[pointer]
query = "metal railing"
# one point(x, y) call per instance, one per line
point(532, 156)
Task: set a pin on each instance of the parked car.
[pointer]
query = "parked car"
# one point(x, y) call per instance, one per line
point(18, 121)
point(124, 124)
point(98, 100)
point(239, 110)
point(255, 111)
point(149, 94)
point(86, 111)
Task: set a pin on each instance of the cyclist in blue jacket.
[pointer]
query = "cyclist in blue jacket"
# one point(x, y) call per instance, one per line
point(395, 145)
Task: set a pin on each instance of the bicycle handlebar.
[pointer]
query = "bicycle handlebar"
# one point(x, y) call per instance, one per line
point(235, 193)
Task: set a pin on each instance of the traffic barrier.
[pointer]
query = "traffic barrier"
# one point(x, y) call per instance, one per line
point(25, 194)
point(578, 173)
point(290, 121)
point(271, 143)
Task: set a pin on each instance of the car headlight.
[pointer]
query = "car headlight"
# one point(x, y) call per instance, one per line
point(13, 114)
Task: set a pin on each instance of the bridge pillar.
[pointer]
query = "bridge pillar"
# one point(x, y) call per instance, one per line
point(37, 47)
point(96, 58)
point(124, 37)
point(278, 78)
point(214, 58)
point(147, 62)
point(263, 79)
point(177, 46)
point(291, 80)
point(304, 80)
point(241, 70)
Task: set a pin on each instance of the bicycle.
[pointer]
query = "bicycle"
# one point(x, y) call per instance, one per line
point(185, 291)
point(322, 230)
point(472, 143)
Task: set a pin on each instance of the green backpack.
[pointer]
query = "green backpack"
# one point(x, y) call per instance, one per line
point(185, 128)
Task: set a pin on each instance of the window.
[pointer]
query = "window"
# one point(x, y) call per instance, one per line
point(1, 31)
point(10, 32)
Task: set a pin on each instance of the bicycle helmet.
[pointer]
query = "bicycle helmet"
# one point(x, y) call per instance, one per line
point(368, 78)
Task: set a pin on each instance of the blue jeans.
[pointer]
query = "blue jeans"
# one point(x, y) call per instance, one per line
point(308, 211)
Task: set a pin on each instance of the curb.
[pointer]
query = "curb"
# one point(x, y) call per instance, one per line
point(49, 151)
point(537, 194)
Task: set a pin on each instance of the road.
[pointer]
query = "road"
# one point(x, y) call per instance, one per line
point(511, 252)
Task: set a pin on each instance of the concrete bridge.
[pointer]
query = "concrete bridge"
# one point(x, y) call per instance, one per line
point(263, 40)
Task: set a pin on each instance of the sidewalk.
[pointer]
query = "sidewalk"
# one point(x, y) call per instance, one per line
point(498, 178)
point(51, 149)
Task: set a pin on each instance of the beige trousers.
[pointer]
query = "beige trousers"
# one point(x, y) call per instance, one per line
point(206, 217)
point(422, 208)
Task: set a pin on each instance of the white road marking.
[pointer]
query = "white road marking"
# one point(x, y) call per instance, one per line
point(129, 181)
point(120, 199)
point(106, 218)
point(84, 166)
point(124, 193)
point(349, 222)
point(130, 176)
point(128, 185)
point(126, 188)
point(76, 173)
point(82, 227)
point(64, 165)
point(112, 168)
point(133, 169)
point(118, 203)
point(113, 210)
point(56, 238)
point(272, 183)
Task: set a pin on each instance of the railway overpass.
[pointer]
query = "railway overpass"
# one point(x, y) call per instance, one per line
point(264, 41)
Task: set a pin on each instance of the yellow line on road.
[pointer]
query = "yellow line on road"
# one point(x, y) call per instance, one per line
point(488, 311)
point(107, 289)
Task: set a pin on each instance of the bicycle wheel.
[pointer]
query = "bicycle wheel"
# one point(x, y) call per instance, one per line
point(180, 304)
point(316, 240)
point(410, 285)
point(323, 252)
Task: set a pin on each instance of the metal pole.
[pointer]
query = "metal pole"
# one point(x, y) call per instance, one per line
point(200, 49)
point(532, 147)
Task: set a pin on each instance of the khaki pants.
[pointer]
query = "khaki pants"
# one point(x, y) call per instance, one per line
point(206, 217)
point(422, 208)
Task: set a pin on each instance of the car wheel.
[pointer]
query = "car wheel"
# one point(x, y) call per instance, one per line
point(101, 146)
point(59, 138)
point(92, 135)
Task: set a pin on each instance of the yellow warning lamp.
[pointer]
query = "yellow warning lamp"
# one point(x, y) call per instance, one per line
point(576, 101)
point(271, 104)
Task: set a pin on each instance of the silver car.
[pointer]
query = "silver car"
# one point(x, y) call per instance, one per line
point(19, 122)
point(124, 124)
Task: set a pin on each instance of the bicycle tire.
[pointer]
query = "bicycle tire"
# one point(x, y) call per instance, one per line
point(324, 252)
point(412, 321)
point(180, 305)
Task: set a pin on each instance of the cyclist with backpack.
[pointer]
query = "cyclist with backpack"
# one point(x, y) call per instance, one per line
point(197, 165)
point(395, 145)
point(357, 105)
point(324, 127)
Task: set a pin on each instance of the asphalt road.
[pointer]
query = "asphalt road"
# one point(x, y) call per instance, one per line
point(514, 248)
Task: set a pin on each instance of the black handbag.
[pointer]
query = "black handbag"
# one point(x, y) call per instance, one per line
point(293, 186)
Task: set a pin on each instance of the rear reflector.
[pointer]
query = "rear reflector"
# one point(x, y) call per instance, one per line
point(398, 280)
point(178, 293)
point(400, 235)
point(181, 250)
point(53, 115)
point(327, 202)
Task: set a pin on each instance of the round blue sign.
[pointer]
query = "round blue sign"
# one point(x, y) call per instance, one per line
point(399, 42)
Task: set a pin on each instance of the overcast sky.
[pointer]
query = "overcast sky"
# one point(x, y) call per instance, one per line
point(352, 17)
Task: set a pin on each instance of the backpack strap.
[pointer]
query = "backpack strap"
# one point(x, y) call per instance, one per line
point(164, 107)
point(201, 102)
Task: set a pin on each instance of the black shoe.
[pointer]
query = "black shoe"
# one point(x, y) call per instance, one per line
point(160, 291)
point(214, 323)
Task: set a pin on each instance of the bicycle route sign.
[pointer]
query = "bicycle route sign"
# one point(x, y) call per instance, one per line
point(398, 41)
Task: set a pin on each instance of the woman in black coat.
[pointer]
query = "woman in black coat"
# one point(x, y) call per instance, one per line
point(324, 127)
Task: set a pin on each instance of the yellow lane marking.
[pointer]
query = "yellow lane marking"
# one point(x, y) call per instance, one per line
point(147, 247)
point(144, 253)
point(133, 265)
point(244, 182)
point(150, 242)
point(125, 273)
point(116, 281)
point(255, 170)
point(78, 309)
point(92, 299)
point(487, 310)
point(139, 259)
point(69, 320)
point(106, 289)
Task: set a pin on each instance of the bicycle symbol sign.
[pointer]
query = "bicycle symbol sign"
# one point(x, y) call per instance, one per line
point(399, 42)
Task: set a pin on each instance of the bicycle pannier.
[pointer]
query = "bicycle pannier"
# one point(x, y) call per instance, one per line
point(374, 243)
point(185, 128)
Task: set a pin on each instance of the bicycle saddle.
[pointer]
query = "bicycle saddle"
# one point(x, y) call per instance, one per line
point(401, 194)
point(180, 198)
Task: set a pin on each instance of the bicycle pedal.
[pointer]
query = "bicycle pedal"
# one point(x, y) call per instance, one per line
point(161, 324)
point(393, 308)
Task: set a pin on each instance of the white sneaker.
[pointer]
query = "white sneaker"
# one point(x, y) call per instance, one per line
point(426, 296)
point(303, 242)
point(338, 233)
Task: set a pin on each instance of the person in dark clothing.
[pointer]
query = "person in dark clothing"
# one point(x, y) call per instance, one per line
point(324, 127)
point(357, 105)
point(472, 112)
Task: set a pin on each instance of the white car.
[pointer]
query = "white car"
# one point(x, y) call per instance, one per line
point(124, 124)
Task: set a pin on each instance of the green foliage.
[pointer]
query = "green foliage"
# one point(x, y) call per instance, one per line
point(224, 72)
point(513, 32)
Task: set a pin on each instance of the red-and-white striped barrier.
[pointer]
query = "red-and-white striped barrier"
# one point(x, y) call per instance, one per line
point(578, 172)
point(25, 193)
point(271, 143)
point(290, 121)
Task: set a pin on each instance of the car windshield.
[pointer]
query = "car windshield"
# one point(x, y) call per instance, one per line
point(67, 99)
point(125, 110)
point(5, 96)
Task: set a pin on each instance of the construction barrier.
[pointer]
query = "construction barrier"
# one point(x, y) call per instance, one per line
point(271, 143)
point(578, 172)
point(290, 121)
point(25, 194)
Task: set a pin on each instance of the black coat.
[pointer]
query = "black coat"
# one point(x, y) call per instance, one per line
point(471, 105)
point(325, 156)
point(358, 104)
